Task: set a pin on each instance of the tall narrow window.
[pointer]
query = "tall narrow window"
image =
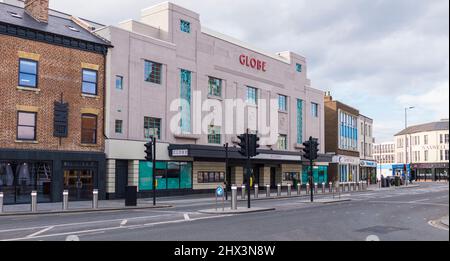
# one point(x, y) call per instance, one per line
point(214, 135)
point(119, 126)
point(215, 87)
point(186, 100)
point(89, 84)
point(252, 95)
point(28, 73)
point(88, 129)
point(282, 103)
point(425, 155)
point(185, 26)
point(119, 82)
point(26, 126)
point(153, 72)
point(152, 128)
point(299, 121)
point(315, 109)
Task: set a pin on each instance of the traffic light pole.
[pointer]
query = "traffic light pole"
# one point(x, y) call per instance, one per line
point(248, 170)
point(154, 170)
point(311, 176)
point(226, 171)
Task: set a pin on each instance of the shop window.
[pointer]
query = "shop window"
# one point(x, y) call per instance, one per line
point(210, 177)
point(215, 87)
point(26, 126)
point(153, 72)
point(169, 175)
point(28, 73)
point(89, 82)
point(88, 129)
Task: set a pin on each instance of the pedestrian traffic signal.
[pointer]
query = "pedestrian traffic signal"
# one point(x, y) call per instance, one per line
point(243, 144)
point(149, 151)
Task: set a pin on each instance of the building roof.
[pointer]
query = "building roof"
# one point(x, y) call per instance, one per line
point(432, 126)
point(57, 25)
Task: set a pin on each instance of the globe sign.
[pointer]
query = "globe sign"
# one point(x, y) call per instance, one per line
point(219, 191)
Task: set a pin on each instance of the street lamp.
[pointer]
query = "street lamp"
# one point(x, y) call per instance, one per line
point(406, 145)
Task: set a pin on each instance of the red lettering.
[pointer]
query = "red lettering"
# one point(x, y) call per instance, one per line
point(242, 59)
point(252, 63)
point(264, 66)
point(258, 66)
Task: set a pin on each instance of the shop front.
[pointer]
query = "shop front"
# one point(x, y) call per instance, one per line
point(430, 171)
point(368, 171)
point(49, 173)
point(346, 168)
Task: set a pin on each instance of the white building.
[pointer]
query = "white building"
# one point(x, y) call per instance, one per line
point(384, 155)
point(365, 146)
point(424, 149)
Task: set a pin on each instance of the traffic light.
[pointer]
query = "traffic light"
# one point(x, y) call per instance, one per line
point(314, 149)
point(149, 151)
point(254, 145)
point(307, 150)
point(243, 144)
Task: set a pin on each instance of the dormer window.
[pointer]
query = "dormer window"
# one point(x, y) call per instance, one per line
point(185, 26)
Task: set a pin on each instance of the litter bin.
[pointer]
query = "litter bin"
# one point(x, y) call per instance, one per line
point(397, 181)
point(131, 196)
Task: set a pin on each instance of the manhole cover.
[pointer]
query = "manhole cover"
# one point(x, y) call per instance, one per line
point(381, 229)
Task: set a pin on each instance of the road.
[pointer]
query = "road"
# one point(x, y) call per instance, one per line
point(387, 215)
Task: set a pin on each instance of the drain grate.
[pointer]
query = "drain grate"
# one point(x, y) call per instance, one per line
point(381, 229)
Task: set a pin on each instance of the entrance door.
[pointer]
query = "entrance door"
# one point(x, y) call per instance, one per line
point(273, 172)
point(80, 184)
point(121, 178)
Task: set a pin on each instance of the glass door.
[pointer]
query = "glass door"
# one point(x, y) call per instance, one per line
point(79, 183)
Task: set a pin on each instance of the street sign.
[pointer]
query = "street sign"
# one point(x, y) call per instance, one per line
point(219, 191)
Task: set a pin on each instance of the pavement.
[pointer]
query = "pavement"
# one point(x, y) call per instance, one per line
point(388, 215)
point(444, 221)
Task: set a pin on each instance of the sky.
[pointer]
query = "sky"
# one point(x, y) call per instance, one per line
point(379, 56)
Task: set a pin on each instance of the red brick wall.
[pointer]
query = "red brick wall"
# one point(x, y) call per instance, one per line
point(59, 72)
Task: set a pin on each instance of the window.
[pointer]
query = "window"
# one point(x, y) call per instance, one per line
point(282, 142)
point(299, 121)
point(214, 135)
point(88, 129)
point(28, 73)
point(210, 177)
point(185, 26)
point(282, 103)
point(153, 72)
point(298, 67)
point(215, 87)
point(425, 155)
point(118, 126)
point(362, 128)
point(26, 126)
point(315, 109)
point(152, 128)
point(425, 140)
point(89, 84)
point(252, 95)
point(446, 155)
point(119, 82)
point(446, 138)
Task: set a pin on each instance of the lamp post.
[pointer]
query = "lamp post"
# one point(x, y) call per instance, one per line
point(406, 143)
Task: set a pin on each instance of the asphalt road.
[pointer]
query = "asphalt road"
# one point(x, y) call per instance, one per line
point(387, 215)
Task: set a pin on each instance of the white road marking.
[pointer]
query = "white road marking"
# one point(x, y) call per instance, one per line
point(186, 217)
point(40, 232)
point(124, 222)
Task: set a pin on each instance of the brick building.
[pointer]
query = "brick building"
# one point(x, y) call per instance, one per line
point(51, 107)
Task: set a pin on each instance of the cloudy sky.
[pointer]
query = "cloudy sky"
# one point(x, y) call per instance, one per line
point(376, 55)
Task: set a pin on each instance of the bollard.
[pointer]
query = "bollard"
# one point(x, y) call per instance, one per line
point(268, 191)
point(330, 187)
point(289, 189)
point(256, 190)
point(243, 192)
point(348, 187)
point(65, 200)
point(95, 199)
point(233, 197)
point(1, 202)
point(279, 190)
point(315, 187)
point(307, 189)
point(299, 189)
point(354, 186)
point(323, 187)
point(33, 201)
point(360, 186)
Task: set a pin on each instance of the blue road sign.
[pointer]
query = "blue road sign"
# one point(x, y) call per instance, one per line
point(219, 191)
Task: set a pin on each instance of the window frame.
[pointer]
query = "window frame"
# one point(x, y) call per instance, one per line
point(121, 126)
point(298, 67)
point(280, 97)
point(36, 75)
point(83, 81)
point(35, 126)
point(316, 110)
point(285, 142)
point(148, 79)
point(247, 100)
point(210, 79)
point(96, 128)
point(212, 138)
point(121, 82)
point(185, 26)
point(152, 122)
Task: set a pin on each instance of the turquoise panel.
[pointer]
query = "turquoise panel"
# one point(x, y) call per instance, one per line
point(186, 176)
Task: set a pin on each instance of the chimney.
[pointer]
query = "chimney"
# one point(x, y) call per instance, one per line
point(328, 96)
point(38, 9)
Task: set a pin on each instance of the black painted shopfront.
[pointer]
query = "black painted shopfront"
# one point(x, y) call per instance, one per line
point(49, 173)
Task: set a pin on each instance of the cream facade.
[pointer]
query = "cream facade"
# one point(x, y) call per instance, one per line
point(384, 154)
point(168, 55)
point(368, 165)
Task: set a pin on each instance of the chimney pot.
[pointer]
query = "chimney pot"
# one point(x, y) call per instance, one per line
point(38, 9)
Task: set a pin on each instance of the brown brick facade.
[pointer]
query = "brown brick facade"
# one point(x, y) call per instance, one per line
point(59, 73)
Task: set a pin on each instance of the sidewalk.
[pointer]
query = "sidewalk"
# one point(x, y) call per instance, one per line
point(444, 221)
